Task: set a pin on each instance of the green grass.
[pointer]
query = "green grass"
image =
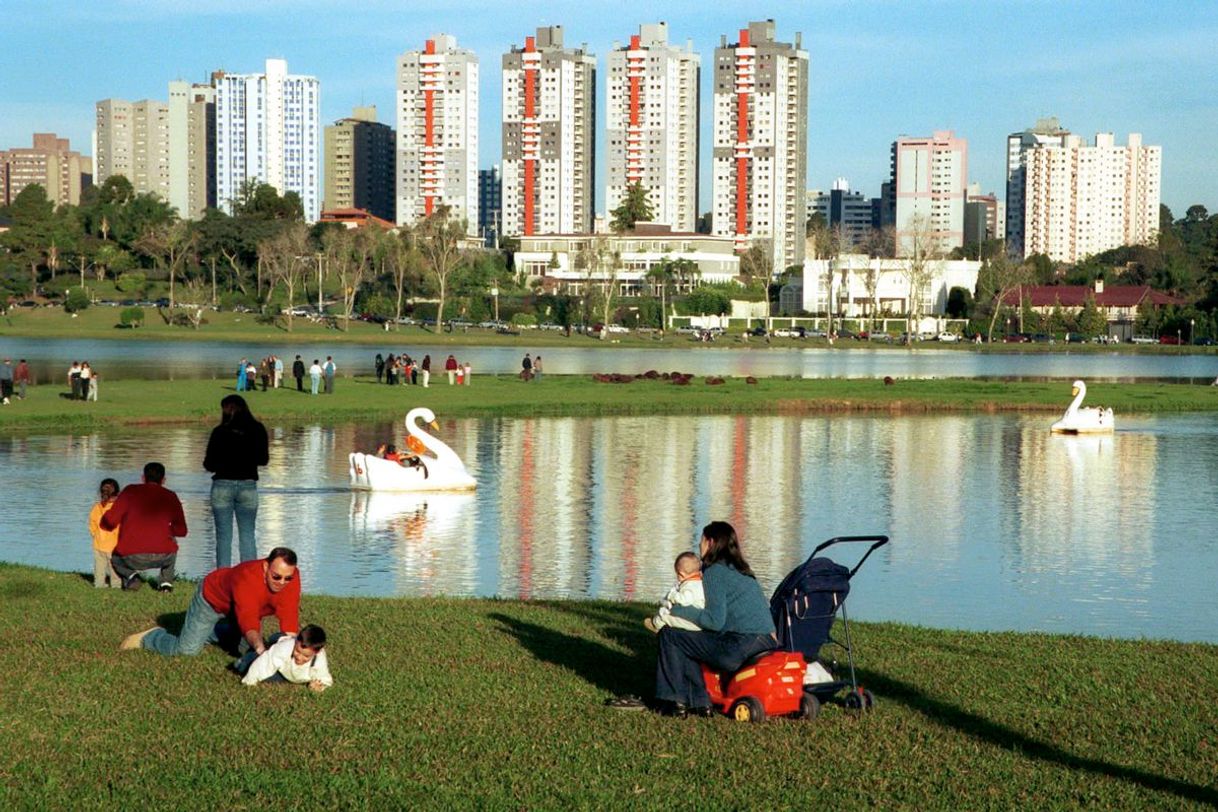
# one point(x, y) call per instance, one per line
point(144, 402)
point(443, 703)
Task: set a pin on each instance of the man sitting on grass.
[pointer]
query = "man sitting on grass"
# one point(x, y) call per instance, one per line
point(230, 600)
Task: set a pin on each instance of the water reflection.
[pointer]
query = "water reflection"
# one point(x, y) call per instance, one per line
point(996, 524)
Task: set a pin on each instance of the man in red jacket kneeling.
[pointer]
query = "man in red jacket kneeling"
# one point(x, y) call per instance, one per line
point(231, 600)
point(148, 517)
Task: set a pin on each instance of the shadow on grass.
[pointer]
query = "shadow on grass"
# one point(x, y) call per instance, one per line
point(598, 664)
point(989, 732)
point(171, 622)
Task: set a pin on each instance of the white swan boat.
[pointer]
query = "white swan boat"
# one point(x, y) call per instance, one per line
point(443, 471)
point(1083, 420)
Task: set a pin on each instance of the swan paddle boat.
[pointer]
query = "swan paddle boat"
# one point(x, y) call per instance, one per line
point(440, 468)
point(1083, 420)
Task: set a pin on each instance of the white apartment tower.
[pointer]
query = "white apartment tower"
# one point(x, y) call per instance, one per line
point(132, 139)
point(930, 178)
point(760, 148)
point(268, 127)
point(652, 121)
point(437, 133)
point(1047, 133)
point(549, 137)
point(1081, 200)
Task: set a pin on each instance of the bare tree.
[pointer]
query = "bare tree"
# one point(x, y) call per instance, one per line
point(348, 253)
point(169, 244)
point(999, 278)
point(609, 260)
point(440, 238)
point(286, 256)
point(757, 263)
point(871, 281)
point(922, 250)
point(402, 258)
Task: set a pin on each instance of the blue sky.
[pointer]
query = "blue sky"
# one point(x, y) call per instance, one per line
point(879, 68)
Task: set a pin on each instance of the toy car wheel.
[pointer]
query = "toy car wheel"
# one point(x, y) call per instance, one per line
point(809, 707)
point(868, 700)
point(861, 700)
point(747, 709)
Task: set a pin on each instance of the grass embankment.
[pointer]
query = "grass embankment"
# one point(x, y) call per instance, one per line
point(453, 704)
point(148, 402)
point(100, 322)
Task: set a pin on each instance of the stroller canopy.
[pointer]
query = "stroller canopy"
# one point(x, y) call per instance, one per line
point(805, 603)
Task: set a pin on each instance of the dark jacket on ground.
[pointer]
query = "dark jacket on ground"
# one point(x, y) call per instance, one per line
point(236, 451)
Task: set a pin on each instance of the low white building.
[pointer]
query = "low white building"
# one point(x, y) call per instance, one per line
point(571, 262)
point(857, 286)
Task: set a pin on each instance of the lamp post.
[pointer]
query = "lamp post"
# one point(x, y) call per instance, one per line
point(495, 294)
point(1192, 327)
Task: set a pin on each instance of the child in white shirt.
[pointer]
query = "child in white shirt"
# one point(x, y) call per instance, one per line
point(300, 660)
point(687, 592)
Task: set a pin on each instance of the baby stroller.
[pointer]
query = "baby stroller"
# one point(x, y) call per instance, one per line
point(775, 682)
point(804, 606)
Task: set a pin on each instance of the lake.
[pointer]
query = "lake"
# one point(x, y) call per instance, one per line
point(995, 524)
point(175, 360)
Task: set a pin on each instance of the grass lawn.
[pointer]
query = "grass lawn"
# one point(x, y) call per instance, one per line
point(140, 402)
point(454, 704)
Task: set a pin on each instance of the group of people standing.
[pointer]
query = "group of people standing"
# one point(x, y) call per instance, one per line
point(82, 380)
point(269, 370)
point(402, 369)
point(10, 376)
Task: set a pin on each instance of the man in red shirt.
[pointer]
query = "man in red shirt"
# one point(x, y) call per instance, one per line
point(233, 599)
point(147, 516)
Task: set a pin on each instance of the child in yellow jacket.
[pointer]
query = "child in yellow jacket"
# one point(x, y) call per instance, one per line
point(104, 541)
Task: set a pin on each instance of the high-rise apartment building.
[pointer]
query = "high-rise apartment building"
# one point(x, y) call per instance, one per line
point(760, 154)
point(549, 136)
point(490, 203)
point(132, 139)
point(359, 164)
point(192, 148)
point(652, 121)
point(847, 212)
point(930, 180)
point(437, 138)
point(50, 163)
point(984, 216)
point(268, 128)
point(1048, 133)
point(1080, 200)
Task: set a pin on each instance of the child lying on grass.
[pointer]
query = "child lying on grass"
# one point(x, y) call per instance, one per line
point(687, 592)
point(300, 660)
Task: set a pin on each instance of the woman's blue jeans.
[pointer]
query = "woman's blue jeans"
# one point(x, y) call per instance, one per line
point(229, 498)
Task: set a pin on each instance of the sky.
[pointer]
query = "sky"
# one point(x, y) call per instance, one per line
point(879, 68)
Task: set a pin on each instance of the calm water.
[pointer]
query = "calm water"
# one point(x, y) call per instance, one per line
point(50, 359)
point(995, 523)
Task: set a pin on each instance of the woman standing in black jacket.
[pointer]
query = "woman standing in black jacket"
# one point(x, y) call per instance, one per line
point(234, 451)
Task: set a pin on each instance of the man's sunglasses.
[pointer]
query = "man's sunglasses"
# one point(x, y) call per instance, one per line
point(285, 578)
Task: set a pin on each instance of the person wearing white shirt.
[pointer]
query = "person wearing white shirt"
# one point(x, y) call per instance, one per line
point(300, 660)
point(315, 375)
point(687, 592)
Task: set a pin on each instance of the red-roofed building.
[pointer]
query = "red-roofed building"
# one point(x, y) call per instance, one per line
point(1118, 303)
point(354, 218)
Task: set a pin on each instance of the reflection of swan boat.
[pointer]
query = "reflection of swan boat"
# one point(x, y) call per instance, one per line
point(411, 514)
point(443, 471)
point(1083, 420)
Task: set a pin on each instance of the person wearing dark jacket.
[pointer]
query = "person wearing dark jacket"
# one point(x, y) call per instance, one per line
point(234, 451)
point(298, 372)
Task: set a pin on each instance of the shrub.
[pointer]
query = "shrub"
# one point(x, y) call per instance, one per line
point(77, 300)
point(131, 282)
point(131, 316)
point(524, 320)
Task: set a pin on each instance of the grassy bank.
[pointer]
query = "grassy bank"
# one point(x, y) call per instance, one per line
point(143, 402)
point(99, 323)
point(460, 703)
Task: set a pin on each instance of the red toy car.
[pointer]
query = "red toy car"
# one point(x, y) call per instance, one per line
point(770, 684)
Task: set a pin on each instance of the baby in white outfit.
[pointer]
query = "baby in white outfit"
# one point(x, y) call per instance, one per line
point(687, 592)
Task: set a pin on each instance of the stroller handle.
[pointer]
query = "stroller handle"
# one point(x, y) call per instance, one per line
point(876, 543)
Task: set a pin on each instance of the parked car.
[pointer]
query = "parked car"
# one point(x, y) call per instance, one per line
point(1076, 338)
point(783, 332)
point(1169, 339)
point(947, 338)
point(1042, 338)
point(1142, 340)
point(1204, 341)
point(1016, 338)
point(757, 331)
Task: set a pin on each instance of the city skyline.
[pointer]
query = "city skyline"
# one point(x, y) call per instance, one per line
point(878, 70)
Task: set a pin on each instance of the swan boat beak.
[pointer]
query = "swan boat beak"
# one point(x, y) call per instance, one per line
point(1074, 391)
point(434, 425)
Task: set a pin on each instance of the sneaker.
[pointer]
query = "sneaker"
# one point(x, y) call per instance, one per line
point(134, 641)
point(164, 586)
point(630, 703)
point(133, 583)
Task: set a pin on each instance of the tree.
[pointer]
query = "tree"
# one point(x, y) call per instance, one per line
point(757, 263)
point(661, 276)
point(959, 303)
point(922, 250)
point(880, 243)
point(1000, 277)
point(403, 260)
point(31, 233)
point(286, 255)
point(440, 238)
point(168, 245)
point(348, 253)
point(634, 208)
point(1090, 321)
